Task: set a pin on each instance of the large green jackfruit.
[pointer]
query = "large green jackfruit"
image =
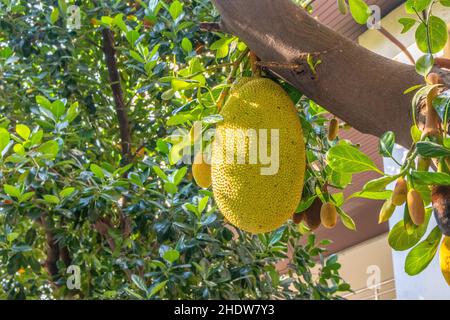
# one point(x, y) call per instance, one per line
point(258, 196)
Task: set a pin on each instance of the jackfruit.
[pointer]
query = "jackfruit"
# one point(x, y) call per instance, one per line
point(258, 196)
point(201, 171)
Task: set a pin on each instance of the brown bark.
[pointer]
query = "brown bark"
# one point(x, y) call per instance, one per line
point(121, 109)
point(52, 248)
point(124, 128)
point(358, 86)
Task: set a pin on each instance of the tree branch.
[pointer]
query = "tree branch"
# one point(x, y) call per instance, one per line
point(358, 86)
point(121, 109)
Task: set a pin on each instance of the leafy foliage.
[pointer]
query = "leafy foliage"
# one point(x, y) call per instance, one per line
point(138, 230)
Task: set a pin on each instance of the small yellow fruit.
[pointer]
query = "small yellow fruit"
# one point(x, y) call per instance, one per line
point(416, 207)
point(400, 191)
point(386, 211)
point(201, 171)
point(423, 164)
point(444, 259)
point(328, 215)
point(333, 129)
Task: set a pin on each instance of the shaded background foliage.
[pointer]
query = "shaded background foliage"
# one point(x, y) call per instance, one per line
point(141, 229)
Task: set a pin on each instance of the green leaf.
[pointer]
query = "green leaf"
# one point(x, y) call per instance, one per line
point(26, 196)
point(4, 139)
point(160, 173)
point(346, 219)
point(118, 21)
point(407, 23)
point(424, 64)
point(342, 6)
point(157, 288)
point(430, 149)
point(170, 187)
point(399, 239)
point(421, 255)
point(12, 191)
point(374, 195)
point(139, 282)
point(345, 158)
point(175, 9)
point(186, 45)
point(445, 3)
point(386, 144)
point(23, 131)
point(171, 255)
point(305, 204)
point(213, 119)
point(58, 109)
point(437, 33)
point(51, 199)
point(66, 192)
point(420, 5)
point(54, 16)
point(202, 204)
point(97, 171)
point(179, 175)
point(430, 178)
point(442, 106)
point(132, 37)
point(360, 11)
point(49, 149)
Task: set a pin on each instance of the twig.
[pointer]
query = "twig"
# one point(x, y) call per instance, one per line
point(400, 45)
point(210, 26)
point(272, 64)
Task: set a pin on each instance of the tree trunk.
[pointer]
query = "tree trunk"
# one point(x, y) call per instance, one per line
point(358, 86)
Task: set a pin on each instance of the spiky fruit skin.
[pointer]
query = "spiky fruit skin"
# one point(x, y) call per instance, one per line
point(444, 258)
point(328, 215)
point(201, 171)
point(312, 215)
point(416, 207)
point(333, 129)
point(249, 200)
point(400, 192)
point(386, 211)
point(440, 198)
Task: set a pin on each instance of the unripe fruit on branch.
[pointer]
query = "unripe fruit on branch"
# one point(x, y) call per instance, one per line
point(423, 164)
point(432, 122)
point(434, 78)
point(440, 198)
point(312, 215)
point(400, 191)
point(386, 211)
point(201, 171)
point(333, 129)
point(444, 259)
point(297, 217)
point(416, 207)
point(328, 215)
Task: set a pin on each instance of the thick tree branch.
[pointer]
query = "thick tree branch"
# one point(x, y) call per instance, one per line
point(357, 85)
point(124, 124)
point(121, 109)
